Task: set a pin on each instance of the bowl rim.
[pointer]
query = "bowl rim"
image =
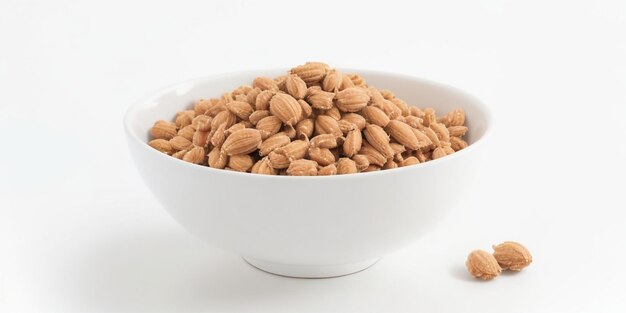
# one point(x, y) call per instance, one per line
point(132, 136)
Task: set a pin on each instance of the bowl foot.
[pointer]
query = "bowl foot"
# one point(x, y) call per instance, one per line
point(310, 271)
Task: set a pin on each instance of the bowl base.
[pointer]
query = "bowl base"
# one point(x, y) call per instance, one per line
point(310, 271)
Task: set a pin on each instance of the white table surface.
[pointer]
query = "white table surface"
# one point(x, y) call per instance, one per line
point(79, 231)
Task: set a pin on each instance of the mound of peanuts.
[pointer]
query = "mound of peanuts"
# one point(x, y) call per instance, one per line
point(313, 121)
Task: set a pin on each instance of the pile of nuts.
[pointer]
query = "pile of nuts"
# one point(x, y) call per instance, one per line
point(313, 121)
point(508, 255)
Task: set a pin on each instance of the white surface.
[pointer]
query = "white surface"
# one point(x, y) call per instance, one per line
point(80, 232)
point(308, 226)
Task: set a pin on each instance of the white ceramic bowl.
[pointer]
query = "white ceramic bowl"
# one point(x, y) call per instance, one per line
point(307, 226)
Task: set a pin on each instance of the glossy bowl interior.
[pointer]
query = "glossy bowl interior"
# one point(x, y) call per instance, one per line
point(307, 226)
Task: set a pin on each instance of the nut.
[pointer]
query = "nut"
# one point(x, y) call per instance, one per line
point(376, 116)
point(390, 165)
point(304, 129)
point(387, 94)
point(281, 157)
point(252, 95)
point(325, 124)
point(457, 143)
point(352, 99)
point(201, 106)
point(424, 140)
point(201, 122)
point(256, 116)
point(302, 168)
point(187, 132)
point(322, 156)
point(390, 109)
point(200, 138)
point(372, 168)
point(185, 118)
point(240, 162)
point(441, 131)
point(417, 112)
point(320, 99)
point(482, 265)
point(281, 82)
point(262, 101)
point(295, 86)
point(439, 152)
point(403, 133)
point(180, 143)
point(218, 137)
point(401, 105)
point(217, 159)
point(163, 130)
point(265, 83)
point(456, 117)
point(263, 167)
point(409, 161)
point(346, 82)
point(271, 143)
point(161, 145)
point(332, 81)
point(286, 108)
point(234, 128)
point(306, 109)
point(333, 112)
point(346, 126)
point(414, 121)
point(224, 117)
point(353, 142)
point(373, 156)
point(240, 108)
point(327, 170)
point(215, 108)
point(361, 162)
point(357, 80)
point(346, 166)
point(327, 141)
point(432, 136)
point(268, 126)
point(311, 72)
point(379, 139)
point(457, 131)
point(180, 154)
point(429, 117)
point(512, 256)
point(356, 119)
point(195, 155)
point(242, 142)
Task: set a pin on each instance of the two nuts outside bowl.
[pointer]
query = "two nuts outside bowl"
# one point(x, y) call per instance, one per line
point(312, 121)
point(508, 255)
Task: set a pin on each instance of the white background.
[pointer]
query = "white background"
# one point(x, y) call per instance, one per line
point(79, 231)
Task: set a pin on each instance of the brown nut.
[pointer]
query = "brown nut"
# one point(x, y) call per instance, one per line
point(512, 256)
point(483, 265)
